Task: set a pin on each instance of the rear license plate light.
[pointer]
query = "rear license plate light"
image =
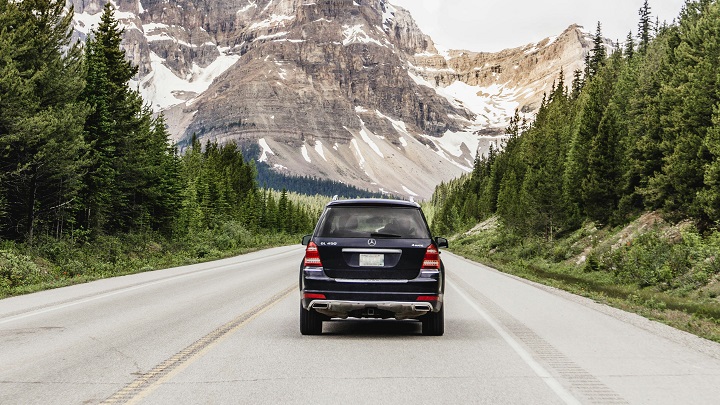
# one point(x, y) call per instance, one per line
point(372, 260)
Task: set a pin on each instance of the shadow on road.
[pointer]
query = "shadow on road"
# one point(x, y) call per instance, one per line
point(371, 327)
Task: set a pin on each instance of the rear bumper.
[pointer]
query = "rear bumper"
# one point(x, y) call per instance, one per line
point(373, 309)
point(362, 298)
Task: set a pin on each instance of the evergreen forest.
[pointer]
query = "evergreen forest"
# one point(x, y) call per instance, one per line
point(613, 190)
point(90, 185)
point(638, 130)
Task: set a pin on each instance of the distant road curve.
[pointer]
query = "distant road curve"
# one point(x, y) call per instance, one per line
point(227, 332)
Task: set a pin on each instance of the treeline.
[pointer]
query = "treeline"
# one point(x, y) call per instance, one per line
point(82, 156)
point(638, 130)
point(309, 185)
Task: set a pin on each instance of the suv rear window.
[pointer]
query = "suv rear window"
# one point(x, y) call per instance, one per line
point(377, 222)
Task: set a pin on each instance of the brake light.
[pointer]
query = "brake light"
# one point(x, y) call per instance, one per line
point(312, 256)
point(314, 296)
point(432, 259)
point(427, 298)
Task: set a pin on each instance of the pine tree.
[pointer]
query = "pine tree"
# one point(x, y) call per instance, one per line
point(576, 162)
point(132, 179)
point(284, 217)
point(270, 219)
point(598, 54)
point(509, 208)
point(110, 126)
point(488, 191)
point(710, 196)
point(690, 110)
point(600, 192)
point(629, 50)
point(643, 154)
point(644, 28)
point(157, 189)
point(190, 217)
point(590, 105)
point(543, 150)
point(41, 143)
point(577, 84)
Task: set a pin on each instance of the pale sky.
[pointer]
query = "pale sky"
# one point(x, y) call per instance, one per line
point(492, 25)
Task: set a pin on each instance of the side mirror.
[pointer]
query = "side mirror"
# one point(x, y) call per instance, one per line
point(306, 240)
point(441, 242)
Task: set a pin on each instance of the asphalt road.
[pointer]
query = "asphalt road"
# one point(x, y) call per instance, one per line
point(227, 332)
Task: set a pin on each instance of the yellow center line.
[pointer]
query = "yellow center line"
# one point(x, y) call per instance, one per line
point(145, 384)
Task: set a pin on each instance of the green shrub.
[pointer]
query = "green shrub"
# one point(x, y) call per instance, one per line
point(560, 253)
point(592, 263)
point(648, 260)
point(17, 270)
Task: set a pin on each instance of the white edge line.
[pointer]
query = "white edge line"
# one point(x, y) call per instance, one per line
point(541, 372)
point(128, 289)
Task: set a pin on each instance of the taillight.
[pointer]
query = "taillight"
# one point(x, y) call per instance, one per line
point(432, 259)
point(312, 256)
point(314, 296)
point(427, 298)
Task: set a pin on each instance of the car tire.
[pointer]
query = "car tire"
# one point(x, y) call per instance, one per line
point(310, 321)
point(433, 323)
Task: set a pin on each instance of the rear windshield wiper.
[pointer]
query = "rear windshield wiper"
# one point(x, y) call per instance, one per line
point(385, 235)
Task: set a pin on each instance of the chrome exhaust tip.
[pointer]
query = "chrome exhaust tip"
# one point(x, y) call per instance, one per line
point(319, 305)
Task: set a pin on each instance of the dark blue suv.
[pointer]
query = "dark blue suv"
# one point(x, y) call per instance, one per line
point(372, 258)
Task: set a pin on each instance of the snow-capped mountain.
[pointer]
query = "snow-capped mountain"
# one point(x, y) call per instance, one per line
point(349, 90)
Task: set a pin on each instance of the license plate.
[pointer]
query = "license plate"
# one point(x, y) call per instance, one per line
point(372, 260)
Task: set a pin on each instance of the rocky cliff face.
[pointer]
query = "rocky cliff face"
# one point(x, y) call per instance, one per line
point(514, 77)
point(350, 90)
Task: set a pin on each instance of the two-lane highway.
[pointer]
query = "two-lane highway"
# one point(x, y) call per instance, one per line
point(227, 332)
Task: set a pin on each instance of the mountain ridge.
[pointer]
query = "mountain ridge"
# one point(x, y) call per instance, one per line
point(349, 90)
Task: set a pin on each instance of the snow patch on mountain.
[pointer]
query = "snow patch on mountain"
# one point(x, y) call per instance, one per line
point(388, 16)
point(359, 155)
point(493, 105)
point(319, 149)
point(85, 22)
point(441, 152)
point(265, 150)
point(305, 154)
point(251, 4)
point(162, 86)
point(365, 135)
point(273, 21)
point(357, 34)
point(267, 6)
point(271, 36)
point(399, 126)
point(452, 142)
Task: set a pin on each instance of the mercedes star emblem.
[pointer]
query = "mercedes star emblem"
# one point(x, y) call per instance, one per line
point(372, 242)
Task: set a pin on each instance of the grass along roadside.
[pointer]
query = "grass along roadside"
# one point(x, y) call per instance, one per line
point(58, 263)
point(78, 258)
point(661, 271)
